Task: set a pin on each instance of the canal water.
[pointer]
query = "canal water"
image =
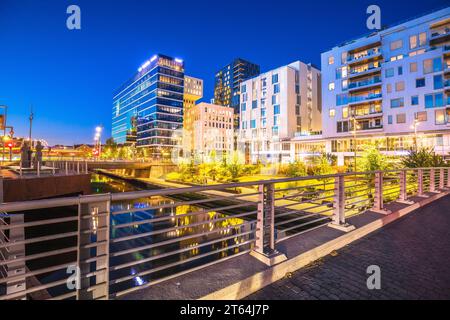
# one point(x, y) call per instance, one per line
point(177, 249)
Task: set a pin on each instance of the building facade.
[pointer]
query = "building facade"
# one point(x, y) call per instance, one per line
point(193, 91)
point(228, 81)
point(148, 109)
point(212, 133)
point(277, 106)
point(390, 87)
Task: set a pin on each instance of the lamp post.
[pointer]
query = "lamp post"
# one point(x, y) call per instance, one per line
point(355, 127)
point(414, 126)
point(98, 140)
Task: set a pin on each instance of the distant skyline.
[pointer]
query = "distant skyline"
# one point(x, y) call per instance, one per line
point(69, 76)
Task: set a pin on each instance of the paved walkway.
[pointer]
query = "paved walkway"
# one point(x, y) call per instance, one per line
point(413, 254)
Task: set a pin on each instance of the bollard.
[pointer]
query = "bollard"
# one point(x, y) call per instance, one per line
point(378, 203)
point(339, 206)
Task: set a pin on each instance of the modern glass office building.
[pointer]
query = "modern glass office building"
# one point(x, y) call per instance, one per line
point(148, 109)
point(228, 83)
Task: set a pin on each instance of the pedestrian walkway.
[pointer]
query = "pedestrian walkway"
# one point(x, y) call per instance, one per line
point(413, 254)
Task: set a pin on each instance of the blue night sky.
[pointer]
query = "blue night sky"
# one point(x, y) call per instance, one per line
point(69, 76)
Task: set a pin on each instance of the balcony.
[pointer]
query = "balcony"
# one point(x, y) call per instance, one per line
point(440, 36)
point(359, 99)
point(355, 86)
point(365, 71)
point(368, 55)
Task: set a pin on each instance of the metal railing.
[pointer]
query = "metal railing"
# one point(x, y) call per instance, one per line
point(51, 168)
point(122, 242)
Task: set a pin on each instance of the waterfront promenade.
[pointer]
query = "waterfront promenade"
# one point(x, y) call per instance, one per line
point(413, 254)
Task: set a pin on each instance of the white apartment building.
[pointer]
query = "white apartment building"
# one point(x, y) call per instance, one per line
point(392, 86)
point(212, 131)
point(275, 107)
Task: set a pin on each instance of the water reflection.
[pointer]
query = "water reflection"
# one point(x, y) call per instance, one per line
point(171, 242)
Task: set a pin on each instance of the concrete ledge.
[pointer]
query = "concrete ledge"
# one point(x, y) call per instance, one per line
point(261, 279)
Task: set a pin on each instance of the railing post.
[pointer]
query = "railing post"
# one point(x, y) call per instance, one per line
point(38, 168)
point(441, 178)
point(78, 167)
point(20, 169)
point(86, 166)
point(378, 197)
point(53, 168)
point(448, 177)
point(93, 248)
point(433, 180)
point(67, 169)
point(403, 198)
point(16, 234)
point(265, 225)
point(339, 206)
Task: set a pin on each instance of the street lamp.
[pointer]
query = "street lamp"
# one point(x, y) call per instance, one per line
point(97, 141)
point(355, 127)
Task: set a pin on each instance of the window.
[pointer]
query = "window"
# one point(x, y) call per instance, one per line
point(434, 100)
point(397, 103)
point(274, 99)
point(275, 120)
point(276, 109)
point(345, 112)
point(243, 106)
point(341, 73)
point(420, 82)
point(414, 100)
point(413, 67)
point(244, 124)
point(263, 122)
point(389, 72)
point(389, 88)
point(330, 60)
point(437, 82)
point(396, 45)
point(344, 84)
point(275, 131)
point(297, 109)
point(263, 112)
point(276, 88)
point(400, 70)
point(252, 124)
point(244, 88)
point(422, 39)
point(427, 66)
point(439, 117)
point(400, 86)
point(401, 118)
point(389, 119)
point(342, 126)
point(421, 116)
point(274, 78)
point(341, 99)
point(331, 86)
point(332, 113)
point(254, 104)
point(437, 64)
point(413, 42)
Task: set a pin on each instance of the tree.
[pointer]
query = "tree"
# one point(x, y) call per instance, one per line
point(423, 158)
point(372, 159)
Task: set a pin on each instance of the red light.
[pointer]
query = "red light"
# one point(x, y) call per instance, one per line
point(10, 145)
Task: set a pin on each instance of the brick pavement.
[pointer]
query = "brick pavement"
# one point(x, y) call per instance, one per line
point(413, 254)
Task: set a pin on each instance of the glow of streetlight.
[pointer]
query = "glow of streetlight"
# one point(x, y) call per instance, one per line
point(98, 129)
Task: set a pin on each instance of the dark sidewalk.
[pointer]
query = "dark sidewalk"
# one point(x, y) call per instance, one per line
point(413, 254)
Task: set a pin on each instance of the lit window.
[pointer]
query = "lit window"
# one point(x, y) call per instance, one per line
point(439, 117)
point(413, 67)
point(401, 118)
point(331, 86)
point(332, 113)
point(330, 60)
point(396, 45)
point(421, 116)
point(400, 86)
point(345, 112)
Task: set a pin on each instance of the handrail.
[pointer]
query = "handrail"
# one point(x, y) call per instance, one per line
point(70, 201)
